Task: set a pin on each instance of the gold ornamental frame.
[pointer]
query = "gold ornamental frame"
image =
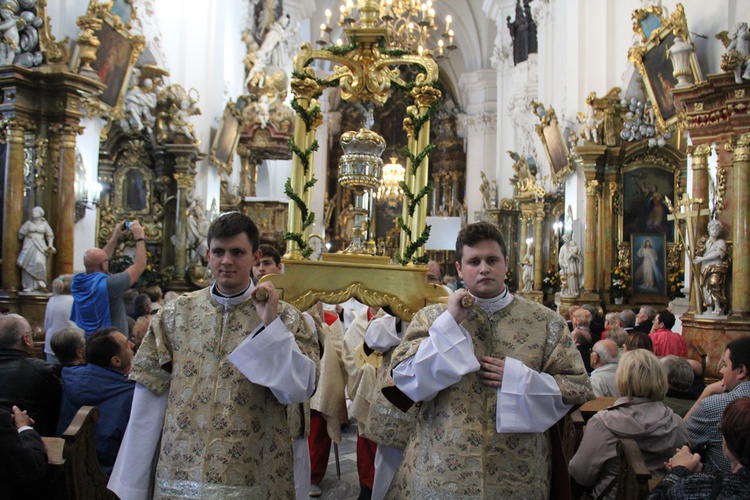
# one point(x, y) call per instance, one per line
point(553, 140)
point(227, 137)
point(653, 63)
point(116, 56)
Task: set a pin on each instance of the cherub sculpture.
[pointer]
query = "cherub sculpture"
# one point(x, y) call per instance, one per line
point(591, 123)
point(737, 43)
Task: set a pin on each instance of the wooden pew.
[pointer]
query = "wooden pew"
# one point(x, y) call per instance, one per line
point(84, 478)
point(635, 480)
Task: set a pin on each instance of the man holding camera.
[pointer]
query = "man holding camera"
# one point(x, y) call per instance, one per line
point(99, 295)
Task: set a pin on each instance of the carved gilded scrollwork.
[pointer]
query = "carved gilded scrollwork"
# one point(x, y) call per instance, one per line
point(54, 52)
point(623, 254)
point(42, 150)
point(675, 257)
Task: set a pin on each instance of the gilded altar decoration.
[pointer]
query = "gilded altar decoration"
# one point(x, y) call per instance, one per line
point(19, 43)
point(175, 106)
point(139, 107)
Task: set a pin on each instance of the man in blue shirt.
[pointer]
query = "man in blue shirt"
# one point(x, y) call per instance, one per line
point(99, 295)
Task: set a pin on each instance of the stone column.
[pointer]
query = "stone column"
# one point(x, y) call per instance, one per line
point(13, 205)
point(741, 228)
point(538, 245)
point(66, 200)
point(593, 191)
point(185, 156)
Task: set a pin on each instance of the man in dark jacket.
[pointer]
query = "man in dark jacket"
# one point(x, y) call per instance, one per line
point(23, 458)
point(27, 382)
point(102, 382)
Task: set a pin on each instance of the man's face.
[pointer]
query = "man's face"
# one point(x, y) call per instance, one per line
point(657, 324)
point(483, 268)
point(231, 262)
point(641, 316)
point(265, 265)
point(433, 273)
point(125, 354)
point(730, 377)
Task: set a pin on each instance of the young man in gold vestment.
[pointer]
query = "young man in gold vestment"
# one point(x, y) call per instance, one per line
point(214, 375)
point(493, 377)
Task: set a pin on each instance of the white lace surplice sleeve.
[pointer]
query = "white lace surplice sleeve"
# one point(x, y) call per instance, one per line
point(441, 360)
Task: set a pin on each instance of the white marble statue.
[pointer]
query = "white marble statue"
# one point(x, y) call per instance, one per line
point(737, 43)
point(38, 239)
point(527, 274)
point(272, 51)
point(714, 268)
point(570, 267)
point(590, 130)
point(139, 105)
point(10, 38)
point(197, 229)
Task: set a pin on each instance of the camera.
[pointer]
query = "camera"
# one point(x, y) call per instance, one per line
point(127, 225)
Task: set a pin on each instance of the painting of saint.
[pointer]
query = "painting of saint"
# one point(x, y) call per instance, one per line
point(111, 64)
point(660, 78)
point(648, 264)
point(135, 191)
point(644, 201)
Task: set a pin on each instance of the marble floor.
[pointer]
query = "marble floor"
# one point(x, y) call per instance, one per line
point(347, 487)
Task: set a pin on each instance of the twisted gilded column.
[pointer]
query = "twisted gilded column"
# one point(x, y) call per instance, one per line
point(424, 97)
point(589, 260)
point(741, 228)
point(538, 245)
point(12, 205)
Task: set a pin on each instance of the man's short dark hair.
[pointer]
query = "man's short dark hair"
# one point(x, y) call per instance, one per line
point(101, 346)
point(667, 318)
point(271, 251)
point(472, 234)
point(639, 340)
point(232, 224)
point(65, 344)
point(153, 292)
point(141, 302)
point(739, 353)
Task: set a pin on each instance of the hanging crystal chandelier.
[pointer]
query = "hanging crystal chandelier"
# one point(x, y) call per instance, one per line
point(409, 24)
point(390, 190)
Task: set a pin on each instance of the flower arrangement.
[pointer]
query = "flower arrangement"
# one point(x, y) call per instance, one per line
point(551, 280)
point(675, 283)
point(620, 283)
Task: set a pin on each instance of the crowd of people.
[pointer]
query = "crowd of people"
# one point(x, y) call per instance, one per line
point(201, 395)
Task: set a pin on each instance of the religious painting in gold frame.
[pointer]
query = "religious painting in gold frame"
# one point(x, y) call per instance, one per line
point(553, 141)
point(226, 139)
point(116, 55)
point(653, 62)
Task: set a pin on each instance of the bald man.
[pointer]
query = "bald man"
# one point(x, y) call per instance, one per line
point(604, 357)
point(99, 295)
point(25, 381)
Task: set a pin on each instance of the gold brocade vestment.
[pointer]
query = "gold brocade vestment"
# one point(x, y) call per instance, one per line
point(456, 451)
point(223, 436)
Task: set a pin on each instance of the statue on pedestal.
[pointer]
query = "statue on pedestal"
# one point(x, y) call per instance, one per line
point(713, 258)
point(527, 265)
point(38, 239)
point(737, 44)
point(570, 267)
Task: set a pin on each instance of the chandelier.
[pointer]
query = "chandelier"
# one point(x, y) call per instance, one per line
point(390, 190)
point(409, 25)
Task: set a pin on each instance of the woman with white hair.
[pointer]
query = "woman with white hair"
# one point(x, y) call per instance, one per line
point(639, 414)
point(57, 314)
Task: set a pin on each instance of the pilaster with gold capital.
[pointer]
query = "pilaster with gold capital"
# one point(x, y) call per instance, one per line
point(538, 244)
point(741, 228)
point(63, 218)
point(699, 188)
point(593, 193)
point(12, 215)
point(185, 156)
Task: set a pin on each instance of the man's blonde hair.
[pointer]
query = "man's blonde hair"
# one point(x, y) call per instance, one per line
point(641, 375)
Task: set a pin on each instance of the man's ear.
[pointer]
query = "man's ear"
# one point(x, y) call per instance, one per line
point(742, 372)
point(458, 269)
point(115, 361)
point(257, 256)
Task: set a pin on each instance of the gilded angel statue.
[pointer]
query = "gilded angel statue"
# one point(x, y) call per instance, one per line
point(737, 43)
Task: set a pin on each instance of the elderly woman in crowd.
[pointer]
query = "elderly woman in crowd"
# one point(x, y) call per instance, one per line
point(57, 314)
point(684, 479)
point(640, 415)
